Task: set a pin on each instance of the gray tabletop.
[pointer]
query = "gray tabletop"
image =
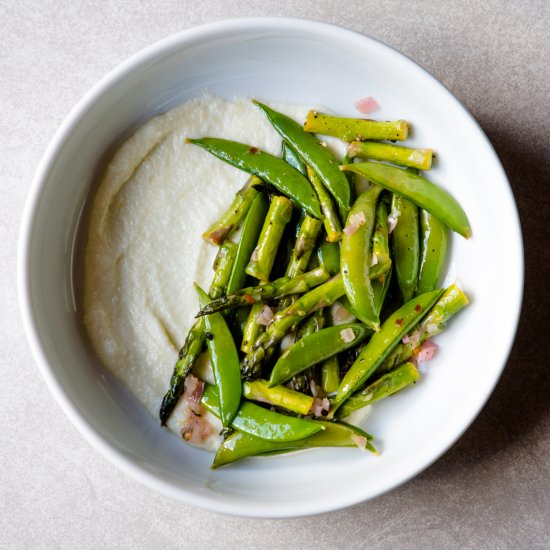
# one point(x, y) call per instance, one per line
point(491, 490)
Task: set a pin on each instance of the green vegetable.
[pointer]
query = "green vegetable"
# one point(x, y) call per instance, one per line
point(381, 344)
point(321, 296)
point(355, 257)
point(334, 434)
point(328, 255)
point(418, 190)
point(433, 251)
point(316, 347)
point(223, 266)
point(251, 329)
point(330, 374)
point(263, 256)
point(290, 156)
point(386, 385)
point(250, 234)
point(260, 293)
point(355, 129)
point(406, 246)
point(280, 396)
point(271, 169)
point(332, 224)
point(224, 360)
point(449, 304)
point(234, 215)
point(381, 260)
point(403, 156)
point(312, 153)
point(260, 422)
point(187, 357)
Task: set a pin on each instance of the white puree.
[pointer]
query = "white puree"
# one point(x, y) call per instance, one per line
point(145, 249)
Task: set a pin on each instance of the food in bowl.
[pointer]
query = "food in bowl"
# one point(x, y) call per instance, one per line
point(278, 379)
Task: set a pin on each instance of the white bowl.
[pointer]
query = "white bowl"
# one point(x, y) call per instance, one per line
point(303, 62)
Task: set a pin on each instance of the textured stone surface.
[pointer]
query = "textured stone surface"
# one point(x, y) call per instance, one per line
point(491, 490)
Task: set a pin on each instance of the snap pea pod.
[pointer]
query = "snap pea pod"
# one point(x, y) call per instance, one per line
point(316, 347)
point(280, 396)
point(250, 234)
point(449, 304)
point(323, 162)
point(433, 251)
point(260, 422)
point(330, 374)
point(380, 289)
point(224, 360)
point(187, 357)
point(260, 293)
point(386, 385)
point(234, 215)
point(267, 167)
point(223, 266)
point(381, 260)
point(328, 255)
point(406, 246)
point(290, 156)
point(418, 190)
point(251, 328)
point(321, 296)
point(241, 445)
point(263, 256)
point(382, 343)
point(332, 224)
point(355, 257)
point(355, 129)
point(396, 154)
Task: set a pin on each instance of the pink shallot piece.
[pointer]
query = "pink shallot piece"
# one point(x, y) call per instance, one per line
point(426, 352)
point(366, 105)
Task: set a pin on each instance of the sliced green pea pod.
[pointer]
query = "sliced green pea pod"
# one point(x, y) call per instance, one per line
point(225, 361)
point(433, 251)
point(250, 233)
point(260, 422)
point(406, 246)
point(323, 162)
point(355, 257)
point(267, 167)
point(223, 267)
point(334, 434)
point(316, 347)
point(382, 343)
point(418, 190)
point(386, 385)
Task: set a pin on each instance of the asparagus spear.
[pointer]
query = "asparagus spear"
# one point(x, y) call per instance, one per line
point(187, 356)
point(321, 296)
point(235, 214)
point(263, 256)
point(386, 385)
point(332, 224)
point(450, 303)
point(252, 329)
point(403, 156)
point(350, 129)
point(223, 266)
point(276, 289)
point(280, 396)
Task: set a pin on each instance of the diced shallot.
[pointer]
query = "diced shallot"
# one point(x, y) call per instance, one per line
point(354, 223)
point(426, 352)
point(360, 441)
point(347, 335)
point(320, 406)
point(366, 105)
point(392, 222)
point(340, 314)
point(265, 316)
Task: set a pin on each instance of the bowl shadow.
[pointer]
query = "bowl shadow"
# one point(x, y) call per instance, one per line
point(521, 399)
